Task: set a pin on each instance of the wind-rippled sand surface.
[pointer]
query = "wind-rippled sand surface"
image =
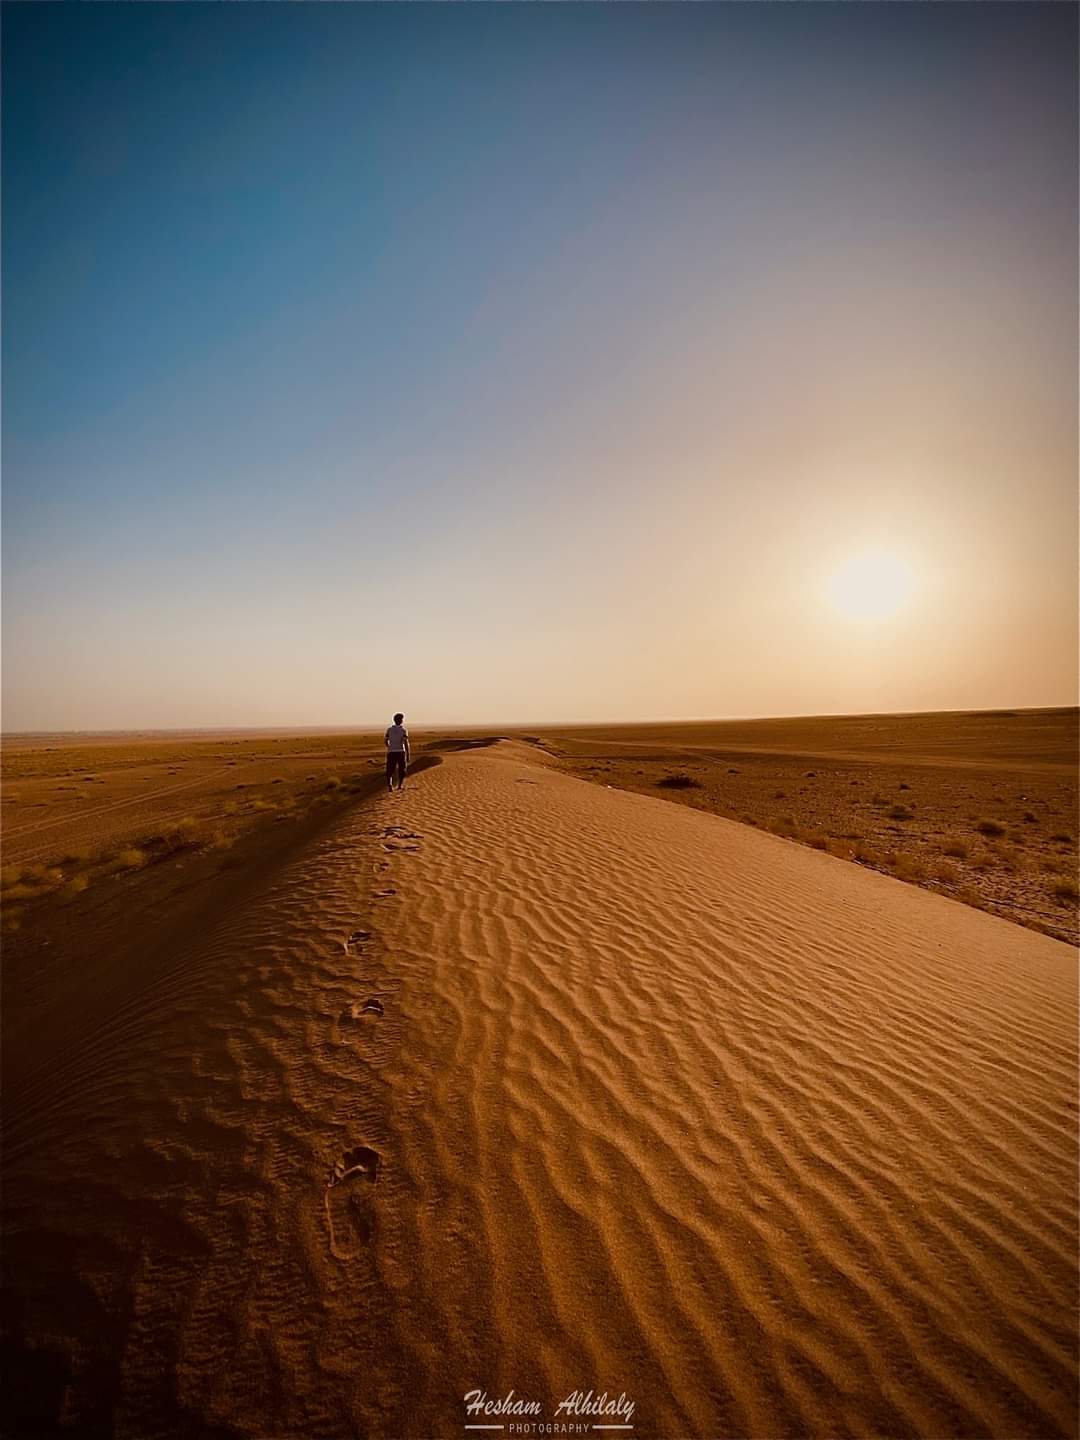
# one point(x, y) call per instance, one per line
point(516, 1082)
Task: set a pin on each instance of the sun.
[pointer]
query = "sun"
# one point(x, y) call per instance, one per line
point(872, 585)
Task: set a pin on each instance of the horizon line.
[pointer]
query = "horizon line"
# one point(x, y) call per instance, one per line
point(365, 727)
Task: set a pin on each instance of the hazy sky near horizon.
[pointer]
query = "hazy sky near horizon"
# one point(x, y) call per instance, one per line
point(537, 362)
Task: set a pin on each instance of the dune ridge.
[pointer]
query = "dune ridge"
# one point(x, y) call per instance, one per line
point(649, 1103)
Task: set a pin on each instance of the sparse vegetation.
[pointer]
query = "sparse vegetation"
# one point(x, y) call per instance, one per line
point(899, 812)
point(956, 848)
point(990, 827)
point(1066, 890)
point(679, 782)
point(130, 859)
point(906, 867)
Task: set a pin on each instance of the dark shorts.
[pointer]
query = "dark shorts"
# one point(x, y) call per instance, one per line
point(395, 765)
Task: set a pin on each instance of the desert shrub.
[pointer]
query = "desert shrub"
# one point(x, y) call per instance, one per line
point(1010, 860)
point(946, 873)
point(10, 875)
point(990, 827)
point(748, 820)
point(866, 854)
point(1066, 890)
point(956, 848)
point(906, 867)
point(334, 783)
point(1061, 838)
point(899, 812)
point(679, 782)
point(130, 859)
point(904, 785)
point(970, 896)
point(817, 841)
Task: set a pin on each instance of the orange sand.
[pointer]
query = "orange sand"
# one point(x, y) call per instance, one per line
point(656, 1105)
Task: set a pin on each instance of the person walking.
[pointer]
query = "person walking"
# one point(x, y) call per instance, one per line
point(397, 752)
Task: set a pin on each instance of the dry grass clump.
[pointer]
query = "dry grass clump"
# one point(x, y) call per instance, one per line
point(1061, 838)
point(905, 867)
point(990, 827)
point(129, 859)
point(970, 896)
point(958, 849)
point(1066, 890)
point(946, 873)
point(28, 882)
point(679, 782)
point(1010, 860)
point(900, 812)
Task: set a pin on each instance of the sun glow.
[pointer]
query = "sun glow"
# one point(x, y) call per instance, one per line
point(872, 585)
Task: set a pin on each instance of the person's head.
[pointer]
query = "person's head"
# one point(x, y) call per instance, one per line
point(398, 718)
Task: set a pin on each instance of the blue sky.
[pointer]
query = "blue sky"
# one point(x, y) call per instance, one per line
point(525, 362)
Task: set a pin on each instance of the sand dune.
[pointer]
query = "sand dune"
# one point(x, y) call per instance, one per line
point(516, 1082)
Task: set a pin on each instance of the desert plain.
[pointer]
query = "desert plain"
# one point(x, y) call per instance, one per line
point(725, 1070)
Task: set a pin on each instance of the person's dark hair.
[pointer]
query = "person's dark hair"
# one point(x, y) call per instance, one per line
point(398, 718)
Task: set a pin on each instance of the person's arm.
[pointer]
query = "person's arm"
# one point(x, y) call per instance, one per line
point(408, 752)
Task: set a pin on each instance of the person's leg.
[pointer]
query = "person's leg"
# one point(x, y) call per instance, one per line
point(390, 764)
point(401, 773)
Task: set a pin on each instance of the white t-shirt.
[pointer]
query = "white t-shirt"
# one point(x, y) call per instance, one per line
point(397, 738)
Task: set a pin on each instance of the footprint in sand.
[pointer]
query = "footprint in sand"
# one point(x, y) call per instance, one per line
point(398, 845)
point(385, 894)
point(349, 1214)
point(359, 1008)
point(356, 940)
